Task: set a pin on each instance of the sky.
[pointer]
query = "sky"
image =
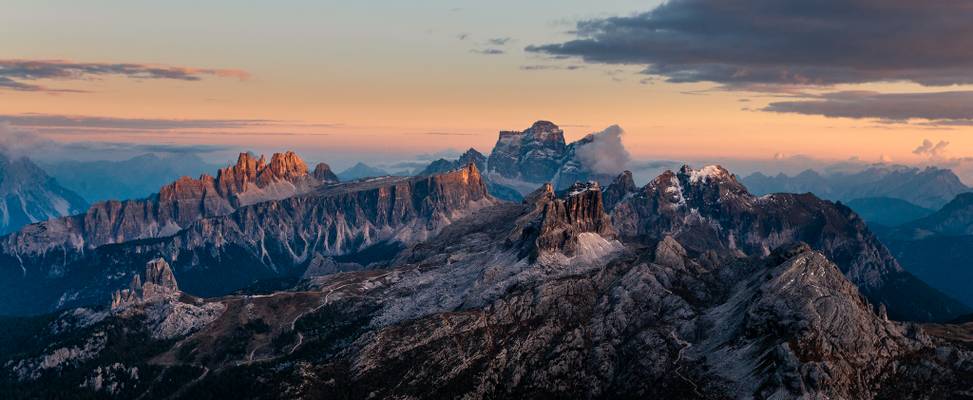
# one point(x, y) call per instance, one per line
point(871, 80)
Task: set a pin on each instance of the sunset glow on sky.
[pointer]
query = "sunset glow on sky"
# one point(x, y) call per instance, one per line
point(329, 77)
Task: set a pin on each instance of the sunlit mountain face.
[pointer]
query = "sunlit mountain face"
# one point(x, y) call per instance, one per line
point(634, 199)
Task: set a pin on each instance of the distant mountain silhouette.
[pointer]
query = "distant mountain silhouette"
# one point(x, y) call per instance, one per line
point(928, 188)
point(134, 178)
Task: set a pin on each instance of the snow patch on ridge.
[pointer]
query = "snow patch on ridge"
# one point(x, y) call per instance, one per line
point(707, 173)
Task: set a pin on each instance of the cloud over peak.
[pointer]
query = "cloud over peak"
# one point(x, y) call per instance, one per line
point(605, 153)
point(16, 74)
point(739, 43)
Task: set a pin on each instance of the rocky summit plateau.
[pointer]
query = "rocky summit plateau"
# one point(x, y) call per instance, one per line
point(272, 281)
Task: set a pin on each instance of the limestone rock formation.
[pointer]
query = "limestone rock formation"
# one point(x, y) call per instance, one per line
point(167, 311)
point(267, 240)
point(175, 207)
point(160, 284)
point(555, 224)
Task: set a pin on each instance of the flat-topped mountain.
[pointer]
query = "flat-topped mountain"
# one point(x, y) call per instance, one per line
point(522, 160)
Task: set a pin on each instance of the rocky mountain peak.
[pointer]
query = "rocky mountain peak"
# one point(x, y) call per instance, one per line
point(442, 165)
point(708, 209)
point(255, 171)
point(323, 173)
point(534, 155)
point(558, 222)
point(954, 219)
point(711, 185)
point(545, 131)
point(159, 284)
point(622, 186)
point(29, 195)
point(283, 166)
point(471, 153)
point(815, 331)
point(710, 174)
point(158, 272)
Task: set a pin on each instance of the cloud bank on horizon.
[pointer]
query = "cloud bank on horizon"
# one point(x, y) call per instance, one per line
point(790, 45)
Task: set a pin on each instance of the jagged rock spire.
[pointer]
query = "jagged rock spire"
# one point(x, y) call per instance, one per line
point(160, 283)
point(556, 222)
point(158, 272)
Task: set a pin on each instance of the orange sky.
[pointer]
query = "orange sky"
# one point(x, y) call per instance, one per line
point(345, 78)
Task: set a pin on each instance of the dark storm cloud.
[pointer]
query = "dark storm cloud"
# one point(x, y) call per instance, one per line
point(946, 108)
point(16, 74)
point(747, 43)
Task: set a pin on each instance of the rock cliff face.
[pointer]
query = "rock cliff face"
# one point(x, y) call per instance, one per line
point(175, 207)
point(708, 209)
point(28, 195)
point(621, 187)
point(802, 330)
point(361, 222)
point(160, 283)
point(556, 224)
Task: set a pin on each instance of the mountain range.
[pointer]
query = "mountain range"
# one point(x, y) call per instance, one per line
point(133, 178)
point(929, 188)
point(427, 287)
point(938, 248)
point(274, 280)
point(29, 195)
